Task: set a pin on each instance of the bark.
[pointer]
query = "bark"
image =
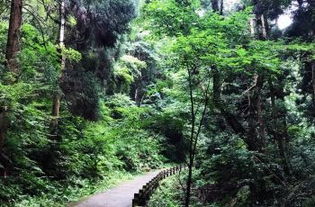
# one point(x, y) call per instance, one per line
point(194, 133)
point(216, 85)
point(13, 43)
point(12, 50)
point(253, 26)
point(57, 95)
point(231, 120)
point(260, 83)
point(256, 133)
point(251, 138)
point(62, 33)
point(3, 126)
point(188, 188)
point(312, 5)
point(137, 96)
point(313, 82)
point(259, 29)
point(280, 133)
point(56, 110)
point(3, 129)
point(192, 138)
point(215, 5)
point(259, 107)
point(221, 7)
point(264, 26)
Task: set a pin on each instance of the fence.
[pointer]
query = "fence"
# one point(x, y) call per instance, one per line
point(141, 198)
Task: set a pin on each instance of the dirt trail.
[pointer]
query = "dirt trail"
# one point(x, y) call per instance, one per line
point(119, 196)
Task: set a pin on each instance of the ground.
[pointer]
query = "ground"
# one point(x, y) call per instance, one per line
point(120, 196)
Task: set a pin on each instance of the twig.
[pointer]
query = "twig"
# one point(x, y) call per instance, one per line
point(253, 86)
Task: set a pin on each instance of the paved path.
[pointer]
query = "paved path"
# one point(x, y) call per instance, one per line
point(120, 196)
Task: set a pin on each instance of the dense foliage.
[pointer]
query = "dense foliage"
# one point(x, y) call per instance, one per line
point(260, 110)
point(132, 85)
point(101, 128)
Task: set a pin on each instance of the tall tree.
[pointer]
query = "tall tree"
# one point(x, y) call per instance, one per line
point(229, 117)
point(312, 11)
point(12, 50)
point(57, 96)
point(13, 44)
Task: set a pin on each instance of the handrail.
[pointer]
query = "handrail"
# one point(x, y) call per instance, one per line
point(141, 199)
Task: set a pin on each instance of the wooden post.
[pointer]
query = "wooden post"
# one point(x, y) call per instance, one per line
point(135, 200)
point(141, 198)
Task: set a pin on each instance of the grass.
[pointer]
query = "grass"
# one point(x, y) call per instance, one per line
point(168, 194)
point(63, 195)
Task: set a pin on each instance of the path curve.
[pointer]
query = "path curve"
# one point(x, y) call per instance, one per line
point(119, 196)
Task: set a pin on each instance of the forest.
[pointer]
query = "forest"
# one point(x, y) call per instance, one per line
point(96, 92)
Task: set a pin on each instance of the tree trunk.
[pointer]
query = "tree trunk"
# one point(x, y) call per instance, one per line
point(258, 89)
point(221, 7)
point(231, 120)
point(13, 43)
point(189, 182)
point(12, 50)
point(195, 131)
point(280, 133)
point(260, 30)
point(56, 110)
point(253, 26)
point(229, 117)
point(260, 120)
point(215, 5)
point(264, 27)
point(252, 138)
point(313, 82)
point(57, 95)
point(62, 33)
point(216, 86)
point(256, 125)
point(192, 140)
point(3, 126)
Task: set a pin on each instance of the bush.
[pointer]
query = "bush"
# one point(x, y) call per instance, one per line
point(237, 174)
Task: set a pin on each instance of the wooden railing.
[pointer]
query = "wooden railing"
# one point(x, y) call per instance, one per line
point(142, 198)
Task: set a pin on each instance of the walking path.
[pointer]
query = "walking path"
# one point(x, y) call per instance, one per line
point(120, 196)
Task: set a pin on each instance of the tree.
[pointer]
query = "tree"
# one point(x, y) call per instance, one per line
point(13, 43)
point(197, 86)
point(204, 56)
point(12, 50)
point(57, 95)
point(188, 49)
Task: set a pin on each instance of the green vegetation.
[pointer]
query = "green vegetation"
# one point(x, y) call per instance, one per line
point(168, 194)
point(76, 189)
point(93, 92)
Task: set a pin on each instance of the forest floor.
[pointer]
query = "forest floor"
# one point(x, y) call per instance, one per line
point(119, 196)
